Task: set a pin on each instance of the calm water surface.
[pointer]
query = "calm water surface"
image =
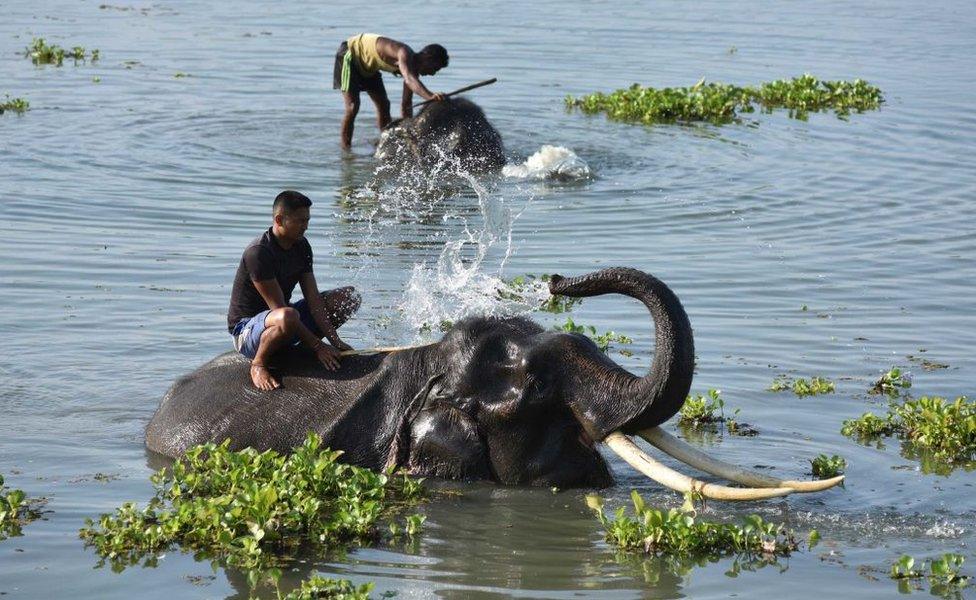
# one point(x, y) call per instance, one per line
point(128, 201)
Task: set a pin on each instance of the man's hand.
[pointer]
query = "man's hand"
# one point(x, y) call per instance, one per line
point(328, 356)
point(437, 97)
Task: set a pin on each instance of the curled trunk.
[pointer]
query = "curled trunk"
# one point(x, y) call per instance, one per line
point(621, 400)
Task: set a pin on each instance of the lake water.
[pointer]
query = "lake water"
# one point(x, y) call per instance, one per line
point(129, 194)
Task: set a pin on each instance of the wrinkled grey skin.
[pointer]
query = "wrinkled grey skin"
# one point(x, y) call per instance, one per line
point(455, 129)
point(496, 399)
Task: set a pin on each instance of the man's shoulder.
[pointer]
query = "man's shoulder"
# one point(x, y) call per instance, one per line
point(259, 246)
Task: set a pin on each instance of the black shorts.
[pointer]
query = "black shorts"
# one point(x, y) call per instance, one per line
point(357, 83)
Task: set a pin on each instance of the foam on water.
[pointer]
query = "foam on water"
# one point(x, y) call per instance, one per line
point(550, 162)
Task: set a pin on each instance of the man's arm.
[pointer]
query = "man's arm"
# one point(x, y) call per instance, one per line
point(406, 102)
point(271, 292)
point(310, 290)
point(406, 60)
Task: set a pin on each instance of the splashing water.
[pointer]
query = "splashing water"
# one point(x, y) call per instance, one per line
point(466, 276)
point(550, 162)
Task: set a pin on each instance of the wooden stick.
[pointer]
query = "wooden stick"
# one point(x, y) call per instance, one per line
point(379, 350)
point(461, 90)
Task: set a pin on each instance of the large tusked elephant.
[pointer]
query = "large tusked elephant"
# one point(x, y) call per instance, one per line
point(497, 399)
point(453, 130)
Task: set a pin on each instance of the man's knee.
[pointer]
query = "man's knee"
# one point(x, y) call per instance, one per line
point(352, 107)
point(286, 319)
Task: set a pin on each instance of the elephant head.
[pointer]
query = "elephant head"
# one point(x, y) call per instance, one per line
point(454, 130)
point(497, 399)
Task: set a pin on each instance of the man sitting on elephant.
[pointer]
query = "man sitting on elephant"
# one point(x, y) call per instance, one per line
point(358, 63)
point(260, 317)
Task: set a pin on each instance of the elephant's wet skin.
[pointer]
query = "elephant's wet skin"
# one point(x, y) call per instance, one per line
point(496, 399)
point(454, 129)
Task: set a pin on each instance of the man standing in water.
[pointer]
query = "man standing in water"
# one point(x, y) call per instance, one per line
point(260, 317)
point(358, 63)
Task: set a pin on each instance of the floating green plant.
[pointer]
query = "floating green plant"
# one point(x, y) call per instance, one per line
point(15, 511)
point(720, 103)
point(42, 53)
point(946, 429)
point(701, 411)
point(602, 340)
point(254, 510)
point(679, 532)
point(802, 387)
point(943, 574)
point(891, 383)
point(518, 287)
point(825, 467)
point(333, 589)
point(17, 105)
point(698, 410)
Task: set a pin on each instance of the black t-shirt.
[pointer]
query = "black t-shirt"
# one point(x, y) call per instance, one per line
point(265, 259)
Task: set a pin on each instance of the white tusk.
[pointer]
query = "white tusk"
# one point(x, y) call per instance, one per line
point(694, 457)
point(666, 476)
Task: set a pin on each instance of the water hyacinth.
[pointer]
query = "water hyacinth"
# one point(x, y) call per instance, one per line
point(679, 532)
point(42, 53)
point(602, 340)
point(720, 103)
point(803, 387)
point(17, 105)
point(892, 382)
point(946, 429)
point(334, 589)
point(701, 409)
point(825, 467)
point(15, 511)
point(253, 510)
point(943, 574)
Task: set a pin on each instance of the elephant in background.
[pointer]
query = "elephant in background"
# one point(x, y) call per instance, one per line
point(453, 130)
point(498, 399)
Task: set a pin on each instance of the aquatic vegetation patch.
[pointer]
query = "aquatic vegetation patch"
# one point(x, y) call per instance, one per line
point(518, 288)
point(702, 409)
point(825, 467)
point(803, 387)
point(17, 105)
point(42, 53)
point(946, 429)
point(892, 383)
point(680, 532)
point(720, 103)
point(943, 574)
point(602, 340)
point(708, 410)
point(255, 510)
point(16, 510)
point(333, 589)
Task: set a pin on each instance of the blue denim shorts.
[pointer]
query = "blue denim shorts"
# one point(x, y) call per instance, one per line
point(247, 332)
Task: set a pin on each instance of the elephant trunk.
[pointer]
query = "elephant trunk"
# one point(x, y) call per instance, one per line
point(623, 401)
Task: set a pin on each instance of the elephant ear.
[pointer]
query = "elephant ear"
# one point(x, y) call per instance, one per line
point(619, 400)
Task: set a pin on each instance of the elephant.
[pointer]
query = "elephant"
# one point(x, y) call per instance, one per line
point(452, 129)
point(497, 398)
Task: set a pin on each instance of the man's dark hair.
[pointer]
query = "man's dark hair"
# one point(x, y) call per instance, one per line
point(290, 200)
point(435, 54)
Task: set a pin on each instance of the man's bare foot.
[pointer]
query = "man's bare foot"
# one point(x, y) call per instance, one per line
point(262, 378)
